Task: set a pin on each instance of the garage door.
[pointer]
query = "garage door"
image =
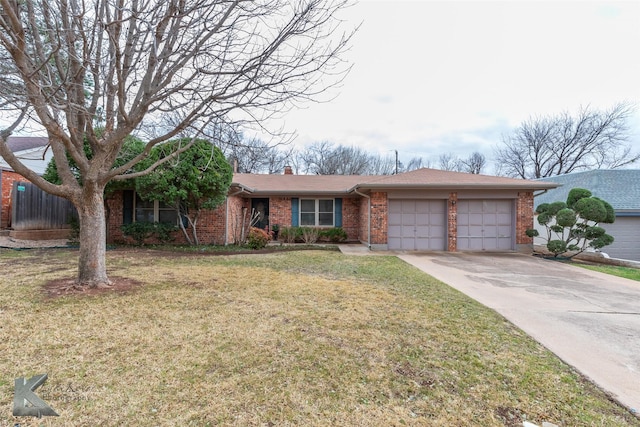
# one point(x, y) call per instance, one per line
point(417, 225)
point(485, 225)
point(626, 232)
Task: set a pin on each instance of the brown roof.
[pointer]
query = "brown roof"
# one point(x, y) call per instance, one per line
point(346, 184)
point(296, 184)
point(440, 179)
point(22, 143)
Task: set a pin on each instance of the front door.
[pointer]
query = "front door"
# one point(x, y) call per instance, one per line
point(260, 211)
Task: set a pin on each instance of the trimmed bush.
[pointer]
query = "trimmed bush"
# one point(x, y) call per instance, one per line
point(591, 209)
point(566, 217)
point(573, 226)
point(258, 238)
point(577, 194)
point(336, 234)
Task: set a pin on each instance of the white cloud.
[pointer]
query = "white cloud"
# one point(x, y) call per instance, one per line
point(431, 77)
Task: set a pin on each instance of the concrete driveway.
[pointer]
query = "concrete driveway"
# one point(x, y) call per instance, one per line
point(590, 320)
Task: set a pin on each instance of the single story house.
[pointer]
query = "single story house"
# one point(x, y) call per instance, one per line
point(619, 187)
point(34, 153)
point(425, 209)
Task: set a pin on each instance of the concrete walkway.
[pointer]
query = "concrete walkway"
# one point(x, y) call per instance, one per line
point(588, 319)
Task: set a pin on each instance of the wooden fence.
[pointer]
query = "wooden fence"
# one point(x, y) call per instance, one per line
point(35, 209)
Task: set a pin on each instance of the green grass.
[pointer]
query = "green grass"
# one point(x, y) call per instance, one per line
point(626, 272)
point(311, 338)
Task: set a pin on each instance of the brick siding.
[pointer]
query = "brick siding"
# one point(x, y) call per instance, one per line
point(452, 222)
point(363, 228)
point(355, 219)
point(379, 218)
point(280, 211)
point(524, 217)
point(351, 218)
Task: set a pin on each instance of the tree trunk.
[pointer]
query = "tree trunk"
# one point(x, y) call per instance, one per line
point(92, 265)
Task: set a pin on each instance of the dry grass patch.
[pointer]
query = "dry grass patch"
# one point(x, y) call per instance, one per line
point(309, 338)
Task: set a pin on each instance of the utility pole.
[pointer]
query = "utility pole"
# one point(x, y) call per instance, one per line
point(396, 161)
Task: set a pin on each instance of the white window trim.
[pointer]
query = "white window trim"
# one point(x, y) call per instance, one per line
point(317, 213)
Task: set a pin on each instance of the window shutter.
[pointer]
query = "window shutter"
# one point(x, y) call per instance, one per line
point(127, 206)
point(295, 212)
point(337, 205)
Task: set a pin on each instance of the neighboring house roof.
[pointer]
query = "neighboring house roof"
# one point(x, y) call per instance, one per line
point(619, 187)
point(346, 184)
point(31, 150)
point(22, 143)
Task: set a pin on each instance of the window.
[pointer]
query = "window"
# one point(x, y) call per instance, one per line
point(154, 211)
point(316, 212)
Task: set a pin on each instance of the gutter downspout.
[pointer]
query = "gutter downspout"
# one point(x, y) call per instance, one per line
point(540, 194)
point(226, 216)
point(369, 215)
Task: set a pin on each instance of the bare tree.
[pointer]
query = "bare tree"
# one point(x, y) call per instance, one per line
point(556, 145)
point(415, 163)
point(71, 67)
point(257, 156)
point(473, 164)
point(449, 162)
point(324, 158)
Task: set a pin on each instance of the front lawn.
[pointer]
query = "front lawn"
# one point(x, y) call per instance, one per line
point(311, 338)
point(626, 272)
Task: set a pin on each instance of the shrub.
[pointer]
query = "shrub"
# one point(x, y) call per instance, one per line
point(336, 234)
point(310, 235)
point(566, 217)
point(143, 230)
point(577, 194)
point(290, 234)
point(557, 247)
point(591, 209)
point(258, 238)
point(164, 232)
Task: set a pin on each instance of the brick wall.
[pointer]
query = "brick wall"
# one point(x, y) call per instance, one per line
point(452, 222)
point(524, 217)
point(363, 220)
point(211, 225)
point(351, 222)
point(8, 178)
point(280, 211)
point(379, 218)
point(114, 218)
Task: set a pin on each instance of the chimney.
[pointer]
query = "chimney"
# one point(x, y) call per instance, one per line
point(288, 170)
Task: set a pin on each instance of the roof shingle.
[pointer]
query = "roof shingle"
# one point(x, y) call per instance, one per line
point(344, 184)
point(619, 187)
point(22, 143)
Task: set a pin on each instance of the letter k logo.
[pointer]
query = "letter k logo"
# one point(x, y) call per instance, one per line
point(26, 403)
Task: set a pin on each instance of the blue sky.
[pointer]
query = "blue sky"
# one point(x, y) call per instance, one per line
point(433, 77)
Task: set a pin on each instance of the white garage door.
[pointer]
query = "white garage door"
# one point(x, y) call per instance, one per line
point(417, 225)
point(485, 225)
